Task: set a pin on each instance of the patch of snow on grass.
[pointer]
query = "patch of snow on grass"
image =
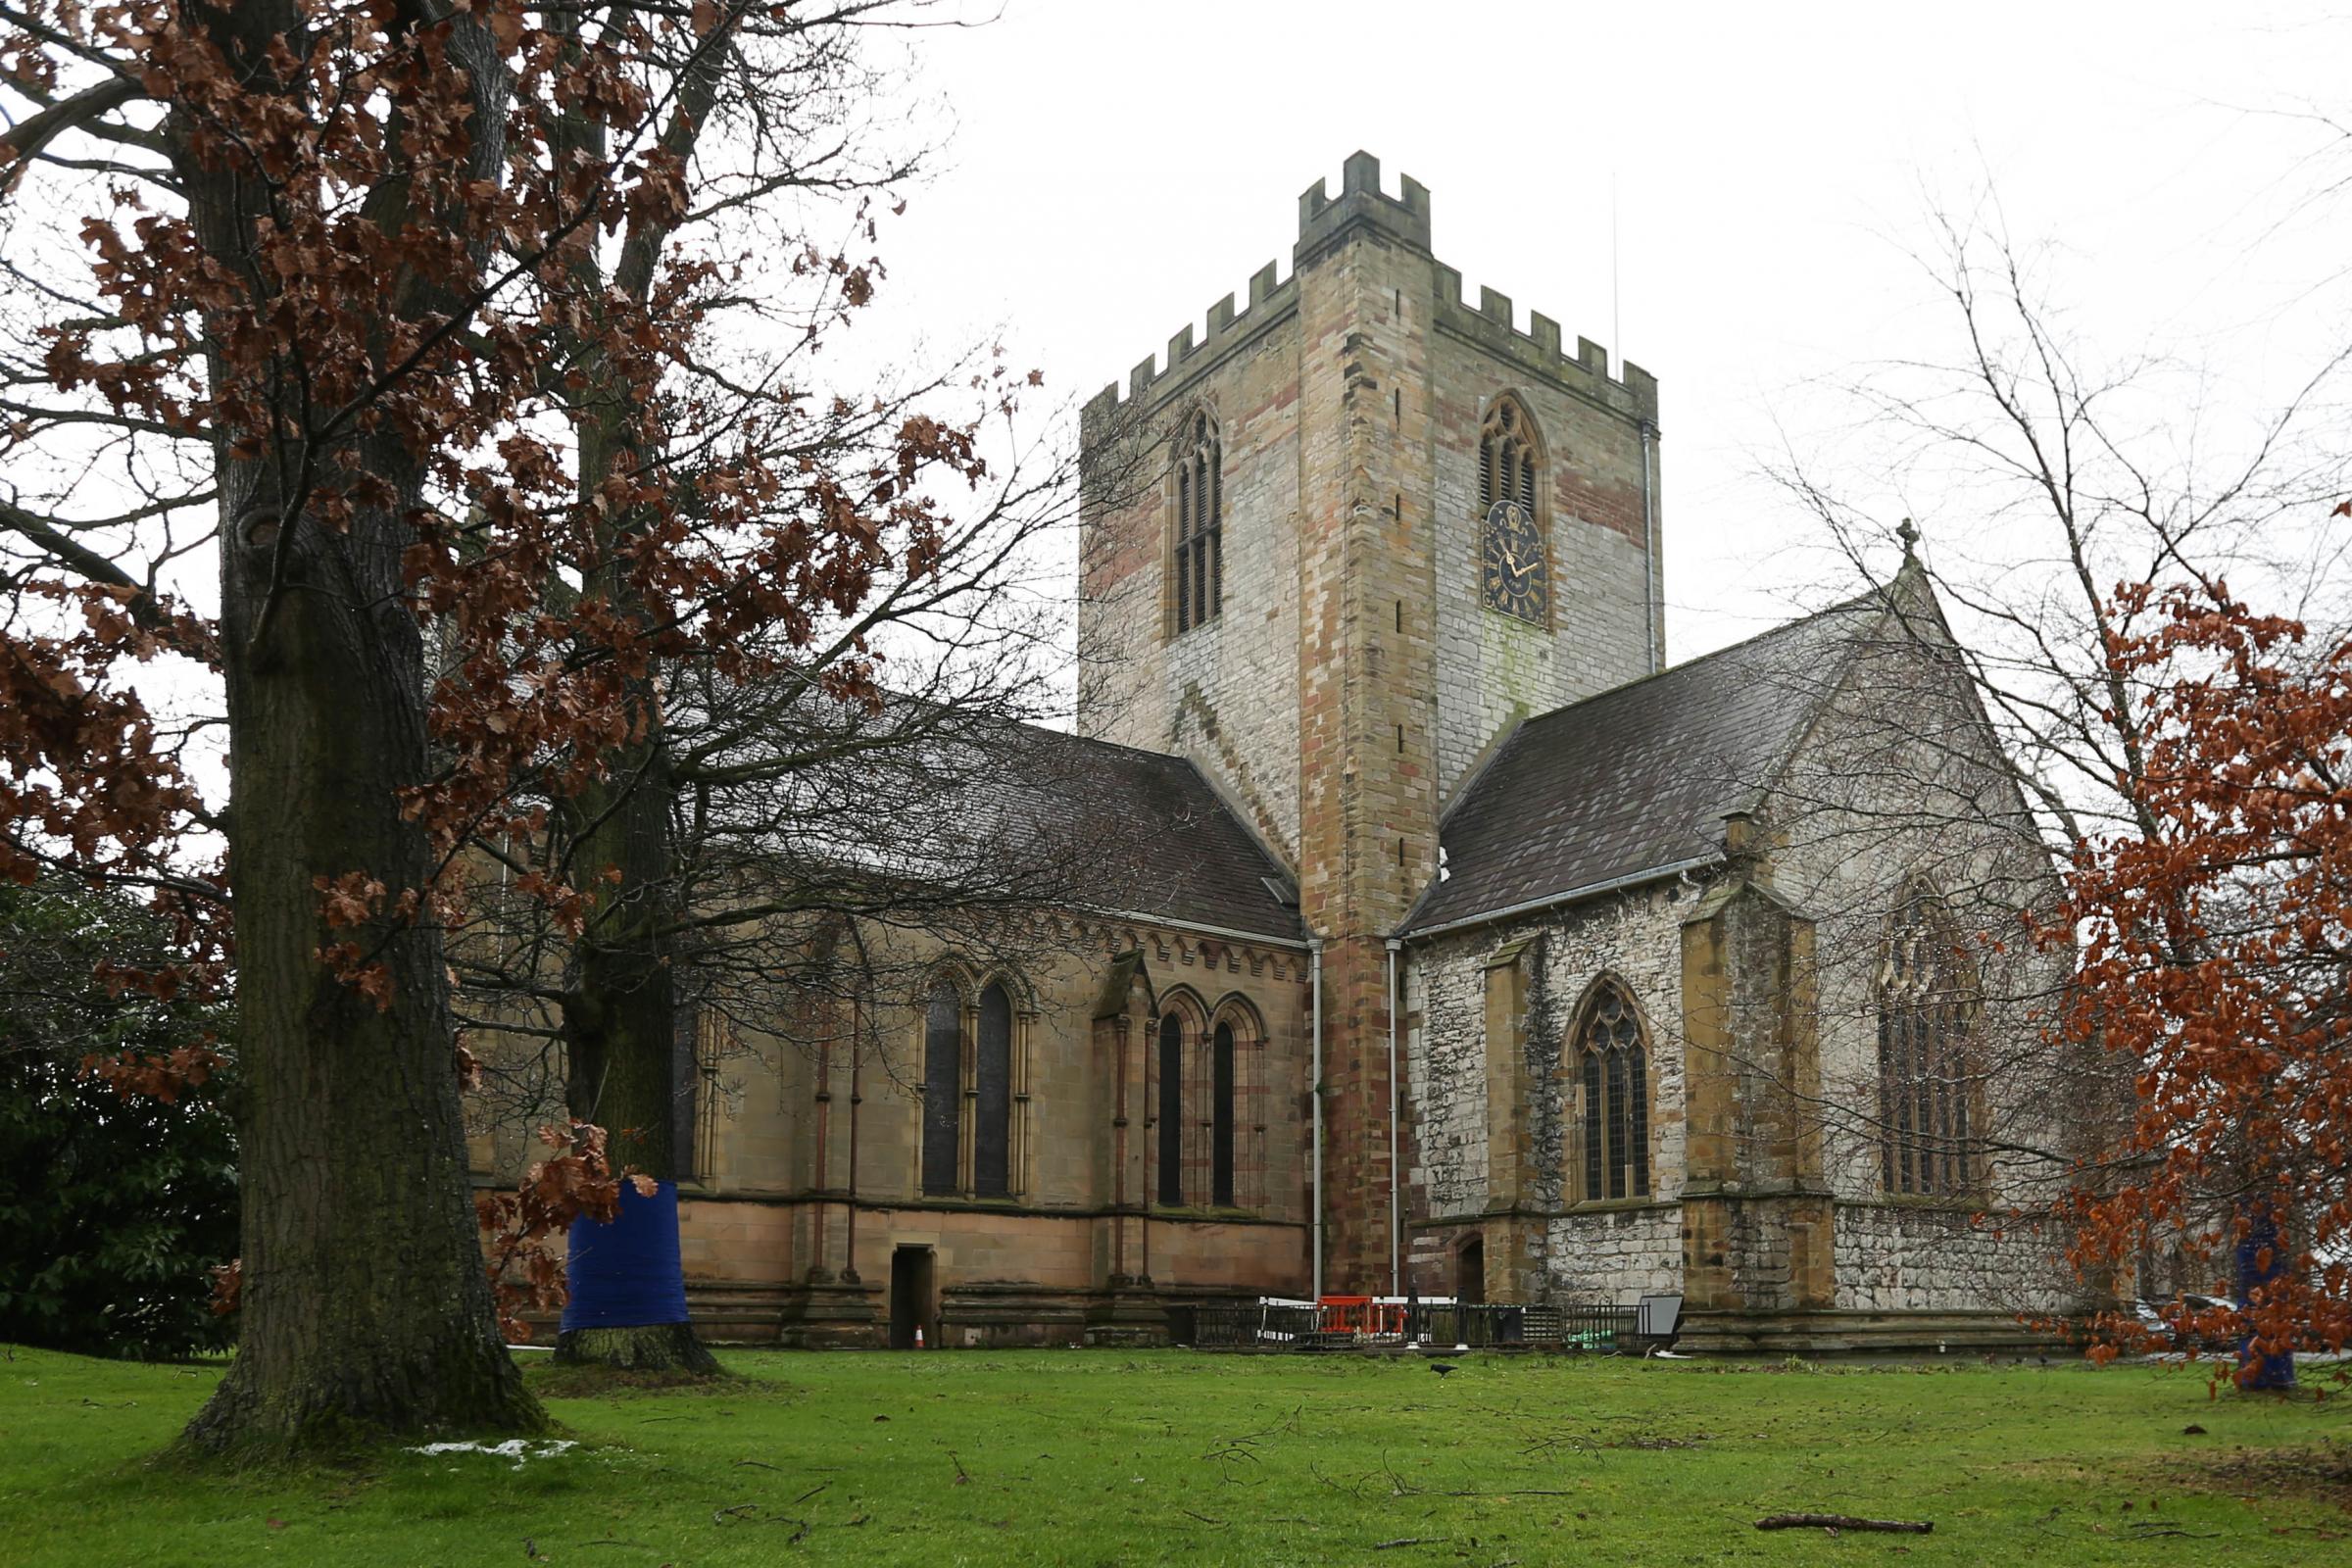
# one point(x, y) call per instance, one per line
point(519, 1450)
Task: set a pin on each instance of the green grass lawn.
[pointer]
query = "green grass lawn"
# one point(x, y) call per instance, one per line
point(1108, 1457)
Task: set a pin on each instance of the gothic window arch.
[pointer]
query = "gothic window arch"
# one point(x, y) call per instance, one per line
point(1927, 1005)
point(1169, 1115)
point(1168, 1112)
point(1514, 552)
point(1175, 1099)
point(973, 1052)
point(1197, 564)
point(1612, 1070)
point(697, 1043)
point(1233, 1118)
point(991, 1095)
point(1510, 456)
point(1221, 1114)
point(943, 1086)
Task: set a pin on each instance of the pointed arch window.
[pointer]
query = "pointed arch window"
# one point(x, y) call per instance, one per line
point(1927, 1005)
point(1508, 460)
point(1615, 1070)
point(1221, 1117)
point(943, 1083)
point(1199, 558)
point(992, 1096)
point(1515, 549)
point(1171, 1108)
point(697, 1043)
point(1206, 1107)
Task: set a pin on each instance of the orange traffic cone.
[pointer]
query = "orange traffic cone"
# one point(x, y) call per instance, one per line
point(918, 1337)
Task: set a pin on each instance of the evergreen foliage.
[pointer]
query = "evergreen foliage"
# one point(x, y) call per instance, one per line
point(114, 1209)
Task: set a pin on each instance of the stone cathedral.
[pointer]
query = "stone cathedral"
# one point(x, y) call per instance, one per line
point(1471, 948)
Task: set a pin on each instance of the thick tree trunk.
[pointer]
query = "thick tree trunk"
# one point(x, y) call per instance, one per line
point(621, 1018)
point(365, 1309)
point(621, 1027)
point(649, 1347)
point(366, 1306)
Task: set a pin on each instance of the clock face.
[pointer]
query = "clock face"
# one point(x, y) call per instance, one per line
point(1511, 564)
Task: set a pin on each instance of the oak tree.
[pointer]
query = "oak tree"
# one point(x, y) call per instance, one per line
point(385, 307)
point(2216, 957)
point(2089, 517)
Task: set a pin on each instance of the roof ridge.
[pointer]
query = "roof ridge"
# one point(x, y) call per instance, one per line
point(1036, 727)
point(1875, 598)
point(1627, 781)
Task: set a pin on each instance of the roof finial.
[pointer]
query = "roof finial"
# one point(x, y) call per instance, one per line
point(1908, 533)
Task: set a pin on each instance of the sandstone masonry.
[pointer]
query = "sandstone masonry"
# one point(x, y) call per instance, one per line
point(1353, 679)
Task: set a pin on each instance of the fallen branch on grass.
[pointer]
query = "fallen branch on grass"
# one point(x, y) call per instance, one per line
point(1411, 1540)
point(1840, 1521)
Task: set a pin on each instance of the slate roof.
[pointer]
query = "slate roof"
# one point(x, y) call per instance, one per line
point(1158, 839)
point(1637, 778)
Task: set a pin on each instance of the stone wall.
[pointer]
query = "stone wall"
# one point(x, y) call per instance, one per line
point(1615, 1256)
point(1900, 781)
point(1494, 669)
point(1224, 692)
point(1905, 1257)
point(785, 1234)
point(1576, 1249)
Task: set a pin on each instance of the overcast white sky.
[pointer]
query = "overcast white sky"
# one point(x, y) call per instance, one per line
point(1113, 168)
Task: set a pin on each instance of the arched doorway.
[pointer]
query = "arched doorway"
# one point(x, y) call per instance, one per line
point(1470, 1271)
point(911, 1289)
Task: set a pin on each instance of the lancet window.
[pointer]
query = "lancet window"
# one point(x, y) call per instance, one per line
point(1615, 1070)
point(1927, 1012)
point(1198, 566)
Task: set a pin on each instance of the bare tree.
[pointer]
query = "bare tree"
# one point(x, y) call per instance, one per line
point(2053, 488)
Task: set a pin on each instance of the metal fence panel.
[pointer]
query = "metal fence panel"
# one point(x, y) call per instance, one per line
point(1437, 1324)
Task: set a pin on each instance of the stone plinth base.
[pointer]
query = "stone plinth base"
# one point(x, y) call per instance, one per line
point(833, 1316)
point(1127, 1318)
point(1834, 1333)
point(989, 1316)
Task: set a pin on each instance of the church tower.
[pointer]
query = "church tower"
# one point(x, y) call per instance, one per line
point(1333, 552)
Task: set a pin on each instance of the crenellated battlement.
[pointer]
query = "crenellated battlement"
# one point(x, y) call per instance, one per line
point(1491, 326)
point(1270, 300)
point(1326, 221)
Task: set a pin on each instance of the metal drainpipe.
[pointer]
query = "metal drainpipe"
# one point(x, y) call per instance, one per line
point(1314, 1029)
point(1649, 551)
point(1395, 1103)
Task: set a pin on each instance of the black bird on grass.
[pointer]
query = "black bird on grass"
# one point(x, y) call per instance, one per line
point(1441, 1368)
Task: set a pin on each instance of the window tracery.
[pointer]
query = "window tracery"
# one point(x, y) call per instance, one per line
point(1615, 1070)
point(1514, 552)
point(1198, 564)
point(1926, 1005)
point(1507, 458)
